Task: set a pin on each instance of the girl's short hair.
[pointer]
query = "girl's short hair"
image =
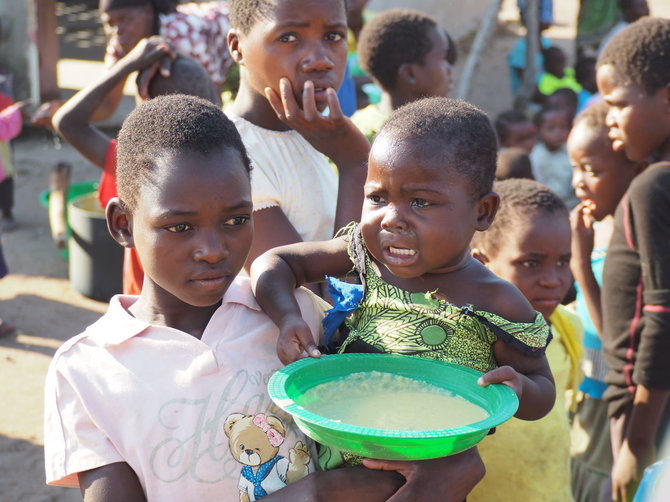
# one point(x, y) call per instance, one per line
point(519, 198)
point(453, 131)
point(640, 54)
point(594, 116)
point(173, 123)
point(392, 38)
point(243, 14)
point(545, 110)
point(505, 119)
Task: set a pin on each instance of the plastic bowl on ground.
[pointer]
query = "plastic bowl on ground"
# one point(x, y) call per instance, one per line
point(288, 384)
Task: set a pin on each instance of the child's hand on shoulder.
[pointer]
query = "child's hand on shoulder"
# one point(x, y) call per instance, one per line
point(334, 135)
point(295, 339)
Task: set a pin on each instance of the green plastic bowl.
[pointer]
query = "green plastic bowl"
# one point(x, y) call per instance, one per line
point(287, 386)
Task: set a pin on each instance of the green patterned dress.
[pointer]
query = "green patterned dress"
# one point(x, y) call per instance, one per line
point(392, 320)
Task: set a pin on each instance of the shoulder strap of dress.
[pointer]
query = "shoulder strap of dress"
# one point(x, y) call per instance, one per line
point(356, 249)
point(531, 338)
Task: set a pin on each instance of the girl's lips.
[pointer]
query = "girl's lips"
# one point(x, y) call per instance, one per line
point(617, 145)
point(546, 302)
point(211, 282)
point(588, 202)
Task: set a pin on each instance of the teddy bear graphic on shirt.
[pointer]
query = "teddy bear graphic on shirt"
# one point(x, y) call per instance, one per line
point(254, 442)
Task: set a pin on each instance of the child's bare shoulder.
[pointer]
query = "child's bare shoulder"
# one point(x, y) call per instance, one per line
point(502, 298)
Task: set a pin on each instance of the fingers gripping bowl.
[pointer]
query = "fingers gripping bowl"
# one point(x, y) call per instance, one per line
point(290, 389)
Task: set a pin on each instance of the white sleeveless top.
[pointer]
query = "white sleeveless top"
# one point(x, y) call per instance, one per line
point(290, 173)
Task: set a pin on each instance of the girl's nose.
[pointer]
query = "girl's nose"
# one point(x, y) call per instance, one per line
point(393, 219)
point(317, 59)
point(211, 247)
point(577, 178)
point(551, 278)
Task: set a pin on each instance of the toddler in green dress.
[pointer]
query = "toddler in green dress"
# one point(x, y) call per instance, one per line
point(428, 190)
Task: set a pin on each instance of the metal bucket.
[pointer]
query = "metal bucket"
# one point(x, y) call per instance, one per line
point(95, 259)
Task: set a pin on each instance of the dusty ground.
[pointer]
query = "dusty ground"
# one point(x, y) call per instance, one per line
point(39, 300)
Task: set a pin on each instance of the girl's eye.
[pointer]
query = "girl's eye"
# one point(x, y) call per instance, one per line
point(178, 228)
point(288, 38)
point(334, 36)
point(420, 203)
point(529, 263)
point(588, 170)
point(237, 221)
point(375, 199)
point(565, 262)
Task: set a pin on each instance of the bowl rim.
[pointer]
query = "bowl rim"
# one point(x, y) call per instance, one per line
point(277, 391)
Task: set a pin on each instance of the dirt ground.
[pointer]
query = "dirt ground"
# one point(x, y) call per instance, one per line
point(38, 298)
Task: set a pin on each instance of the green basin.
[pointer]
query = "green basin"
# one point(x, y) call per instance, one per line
point(287, 386)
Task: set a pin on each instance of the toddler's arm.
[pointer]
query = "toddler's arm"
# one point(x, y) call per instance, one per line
point(274, 277)
point(583, 236)
point(529, 376)
point(73, 119)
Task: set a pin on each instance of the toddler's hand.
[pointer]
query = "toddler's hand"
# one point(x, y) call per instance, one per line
point(295, 338)
point(333, 135)
point(505, 375)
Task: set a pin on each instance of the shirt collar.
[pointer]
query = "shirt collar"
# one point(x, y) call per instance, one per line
point(118, 325)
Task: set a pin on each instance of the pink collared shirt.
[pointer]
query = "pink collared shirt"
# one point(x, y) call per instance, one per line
point(183, 413)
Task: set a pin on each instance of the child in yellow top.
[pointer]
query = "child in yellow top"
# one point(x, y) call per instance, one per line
point(529, 245)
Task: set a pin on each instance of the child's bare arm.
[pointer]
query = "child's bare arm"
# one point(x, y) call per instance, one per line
point(449, 479)
point(340, 485)
point(334, 135)
point(530, 377)
point(276, 274)
point(581, 222)
point(272, 229)
point(110, 483)
point(73, 119)
point(638, 449)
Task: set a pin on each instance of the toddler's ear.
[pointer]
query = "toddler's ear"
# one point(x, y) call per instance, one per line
point(233, 40)
point(487, 207)
point(119, 222)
